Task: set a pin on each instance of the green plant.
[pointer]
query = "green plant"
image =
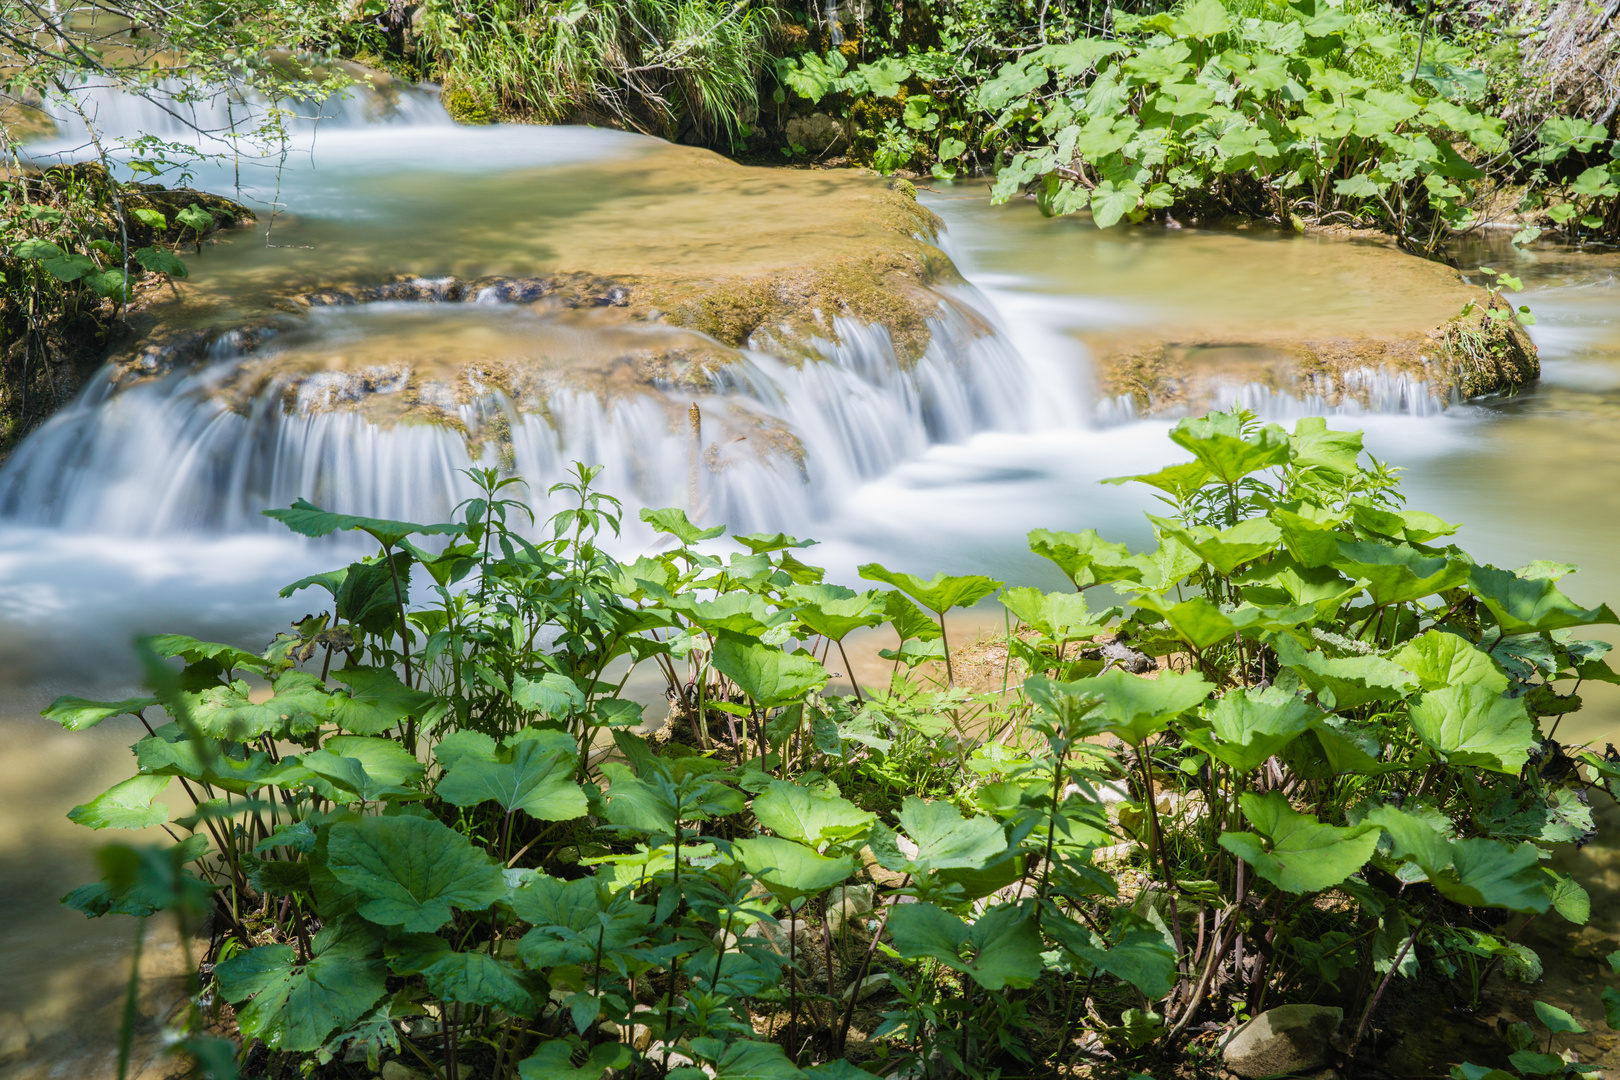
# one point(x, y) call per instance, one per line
point(1319, 738)
point(661, 66)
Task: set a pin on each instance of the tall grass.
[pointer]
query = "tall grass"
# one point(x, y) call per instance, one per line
point(667, 67)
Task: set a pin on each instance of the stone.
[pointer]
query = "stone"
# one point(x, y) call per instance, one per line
point(868, 986)
point(859, 898)
point(1287, 1039)
point(394, 1069)
point(817, 133)
point(807, 936)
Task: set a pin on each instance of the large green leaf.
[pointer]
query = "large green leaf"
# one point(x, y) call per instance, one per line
point(750, 1059)
point(1136, 950)
point(552, 1061)
point(1416, 836)
point(1202, 19)
point(938, 594)
point(1062, 616)
point(1398, 574)
point(1471, 725)
point(370, 768)
point(307, 519)
point(299, 705)
point(1490, 873)
point(1219, 443)
point(1005, 943)
point(765, 673)
point(1248, 726)
point(411, 872)
point(1439, 660)
point(1303, 855)
point(834, 611)
point(1345, 682)
point(790, 869)
point(192, 651)
point(538, 779)
point(76, 713)
point(1227, 549)
point(1179, 481)
point(573, 921)
point(946, 840)
point(1316, 447)
point(375, 701)
point(1531, 605)
point(1135, 708)
point(1084, 557)
point(293, 1006)
point(130, 804)
point(810, 817)
point(477, 978)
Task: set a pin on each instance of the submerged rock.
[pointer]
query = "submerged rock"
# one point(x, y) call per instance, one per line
point(1287, 1040)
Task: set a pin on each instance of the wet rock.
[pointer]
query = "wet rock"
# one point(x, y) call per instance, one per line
point(858, 898)
point(394, 1069)
point(1287, 1039)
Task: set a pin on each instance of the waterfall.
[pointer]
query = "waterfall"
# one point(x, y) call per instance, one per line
point(782, 443)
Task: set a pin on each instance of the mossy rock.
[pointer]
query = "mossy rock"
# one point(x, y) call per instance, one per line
point(466, 106)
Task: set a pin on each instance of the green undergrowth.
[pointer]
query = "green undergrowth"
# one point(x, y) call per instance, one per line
point(1311, 755)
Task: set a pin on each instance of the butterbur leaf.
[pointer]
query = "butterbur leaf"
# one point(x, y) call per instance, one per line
point(1469, 725)
point(764, 672)
point(554, 1061)
point(1439, 660)
point(1135, 708)
point(307, 519)
point(1304, 855)
point(76, 714)
point(674, 522)
point(1557, 1020)
point(1611, 1007)
point(1005, 942)
point(790, 869)
point(553, 694)
point(1314, 446)
point(1531, 1063)
point(1219, 443)
point(293, 1006)
point(1228, 549)
point(748, 1059)
point(1489, 873)
point(130, 804)
point(1531, 605)
point(1249, 726)
point(1085, 556)
point(947, 841)
point(834, 611)
point(1345, 682)
point(938, 594)
point(539, 780)
point(375, 701)
point(1136, 950)
point(1398, 574)
point(810, 817)
point(194, 652)
point(1179, 481)
point(476, 978)
point(412, 872)
point(160, 261)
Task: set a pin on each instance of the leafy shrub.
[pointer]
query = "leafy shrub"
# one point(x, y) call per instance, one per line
point(1312, 753)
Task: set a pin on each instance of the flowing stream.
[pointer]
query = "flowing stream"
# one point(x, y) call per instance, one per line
point(135, 509)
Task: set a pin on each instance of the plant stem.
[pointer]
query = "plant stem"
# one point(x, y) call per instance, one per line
point(1361, 1028)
